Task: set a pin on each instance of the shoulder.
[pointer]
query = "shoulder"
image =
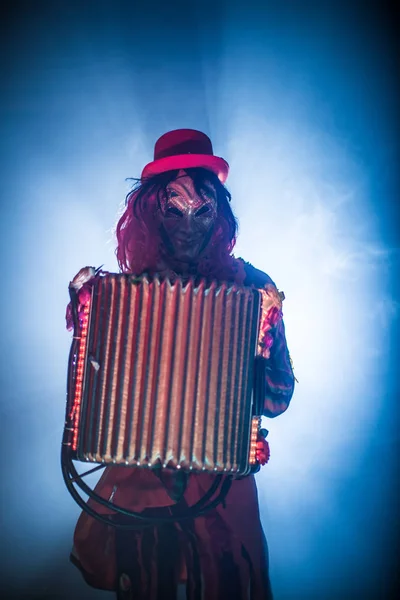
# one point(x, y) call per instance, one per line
point(255, 276)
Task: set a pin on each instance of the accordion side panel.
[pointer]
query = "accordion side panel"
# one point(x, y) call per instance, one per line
point(236, 382)
point(97, 336)
point(233, 368)
point(90, 425)
point(96, 348)
point(88, 402)
point(249, 333)
point(240, 397)
point(103, 401)
point(116, 371)
point(104, 299)
point(246, 389)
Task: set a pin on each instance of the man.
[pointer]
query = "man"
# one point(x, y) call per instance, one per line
point(178, 223)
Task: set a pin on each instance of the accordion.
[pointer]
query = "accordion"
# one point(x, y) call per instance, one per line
point(164, 374)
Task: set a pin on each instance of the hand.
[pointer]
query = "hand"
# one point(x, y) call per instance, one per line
point(82, 282)
point(83, 276)
point(262, 449)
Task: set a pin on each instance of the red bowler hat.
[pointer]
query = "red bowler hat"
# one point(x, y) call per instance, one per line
point(185, 149)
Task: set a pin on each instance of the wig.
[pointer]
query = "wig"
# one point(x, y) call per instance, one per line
point(140, 247)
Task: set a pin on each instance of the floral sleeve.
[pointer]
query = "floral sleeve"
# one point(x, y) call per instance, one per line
point(279, 374)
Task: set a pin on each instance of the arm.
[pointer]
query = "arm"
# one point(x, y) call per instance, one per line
point(279, 374)
point(279, 385)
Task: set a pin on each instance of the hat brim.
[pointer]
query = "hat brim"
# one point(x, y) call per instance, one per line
point(217, 165)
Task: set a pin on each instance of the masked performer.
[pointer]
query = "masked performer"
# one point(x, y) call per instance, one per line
point(178, 223)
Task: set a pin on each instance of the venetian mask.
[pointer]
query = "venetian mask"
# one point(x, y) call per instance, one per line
point(187, 219)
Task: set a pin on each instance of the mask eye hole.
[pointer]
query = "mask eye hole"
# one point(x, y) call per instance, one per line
point(173, 211)
point(203, 210)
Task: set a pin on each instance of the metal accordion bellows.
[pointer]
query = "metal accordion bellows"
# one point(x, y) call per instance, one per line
point(163, 375)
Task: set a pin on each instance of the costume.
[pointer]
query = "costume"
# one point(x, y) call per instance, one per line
point(221, 554)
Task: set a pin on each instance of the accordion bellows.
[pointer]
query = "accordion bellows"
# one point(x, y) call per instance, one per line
point(163, 374)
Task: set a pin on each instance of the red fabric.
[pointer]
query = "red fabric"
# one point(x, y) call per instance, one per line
point(225, 530)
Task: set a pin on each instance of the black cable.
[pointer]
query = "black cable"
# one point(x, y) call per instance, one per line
point(87, 490)
point(80, 475)
point(71, 475)
point(192, 512)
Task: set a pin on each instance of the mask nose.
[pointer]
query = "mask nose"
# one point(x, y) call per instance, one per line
point(188, 223)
